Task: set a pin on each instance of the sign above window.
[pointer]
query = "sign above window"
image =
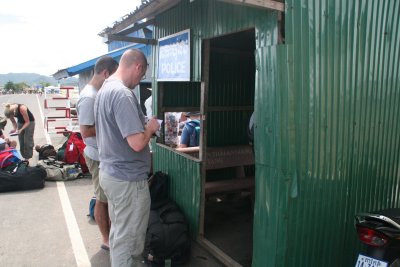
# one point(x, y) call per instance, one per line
point(174, 57)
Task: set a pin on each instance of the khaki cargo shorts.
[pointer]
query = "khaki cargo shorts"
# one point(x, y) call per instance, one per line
point(93, 166)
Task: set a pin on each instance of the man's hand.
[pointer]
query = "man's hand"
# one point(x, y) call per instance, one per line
point(138, 141)
point(153, 125)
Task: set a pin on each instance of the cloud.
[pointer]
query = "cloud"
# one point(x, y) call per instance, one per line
point(43, 40)
point(11, 19)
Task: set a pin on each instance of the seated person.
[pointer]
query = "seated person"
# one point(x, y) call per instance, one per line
point(3, 123)
point(9, 156)
point(182, 121)
point(191, 131)
point(3, 144)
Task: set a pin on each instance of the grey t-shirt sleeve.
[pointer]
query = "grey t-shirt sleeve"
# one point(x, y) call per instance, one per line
point(86, 111)
point(127, 115)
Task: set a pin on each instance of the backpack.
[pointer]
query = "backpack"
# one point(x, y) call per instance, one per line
point(46, 151)
point(9, 157)
point(59, 171)
point(74, 151)
point(61, 152)
point(167, 236)
point(195, 135)
point(158, 187)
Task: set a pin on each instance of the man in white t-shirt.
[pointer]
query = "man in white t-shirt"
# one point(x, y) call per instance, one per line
point(104, 67)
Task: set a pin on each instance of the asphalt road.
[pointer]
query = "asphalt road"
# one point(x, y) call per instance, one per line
point(50, 227)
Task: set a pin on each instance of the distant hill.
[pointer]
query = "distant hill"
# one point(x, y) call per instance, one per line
point(34, 78)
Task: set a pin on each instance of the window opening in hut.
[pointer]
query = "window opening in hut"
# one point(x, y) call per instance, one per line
point(179, 103)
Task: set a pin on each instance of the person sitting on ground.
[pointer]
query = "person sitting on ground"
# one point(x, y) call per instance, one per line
point(3, 144)
point(24, 128)
point(9, 156)
point(10, 143)
point(191, 132)
point(3, 123)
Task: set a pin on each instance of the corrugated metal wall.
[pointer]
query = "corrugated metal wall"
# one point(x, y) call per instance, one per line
point(341, 153)
point(274, 155)
point(181, 94)
point(185, 182)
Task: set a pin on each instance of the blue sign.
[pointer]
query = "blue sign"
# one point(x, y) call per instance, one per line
point(174, 57)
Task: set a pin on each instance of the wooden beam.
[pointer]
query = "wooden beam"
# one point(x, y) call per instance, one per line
point(230, 108)
point(138, 27)
point(180, 109)
point(266, 4)
point(186, 155)
point(217, 252)
point(116, 37)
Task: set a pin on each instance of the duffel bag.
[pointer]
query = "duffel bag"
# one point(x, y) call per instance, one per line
point(59, 171)
point(22, 177)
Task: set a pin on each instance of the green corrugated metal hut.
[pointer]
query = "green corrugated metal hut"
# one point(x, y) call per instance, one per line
point(322, 78)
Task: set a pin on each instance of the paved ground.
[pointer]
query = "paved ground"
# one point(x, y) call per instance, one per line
point(50, 227)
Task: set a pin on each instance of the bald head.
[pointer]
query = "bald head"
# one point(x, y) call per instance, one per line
point(132, 67)
point(133, 56)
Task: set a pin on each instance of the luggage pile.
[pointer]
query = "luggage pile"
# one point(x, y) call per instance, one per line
point(68, 163)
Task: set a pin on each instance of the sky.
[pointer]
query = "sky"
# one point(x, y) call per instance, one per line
point(43, 36)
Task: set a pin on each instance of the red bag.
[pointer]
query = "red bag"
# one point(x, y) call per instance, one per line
point(74, 151)
point(9, 156)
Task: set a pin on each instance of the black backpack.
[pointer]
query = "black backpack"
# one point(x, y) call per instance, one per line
point(158, 186)
point(167, 236)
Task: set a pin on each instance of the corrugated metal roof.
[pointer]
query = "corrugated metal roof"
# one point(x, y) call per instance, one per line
point(147, 9)
point(88, 65)
point(151, 8)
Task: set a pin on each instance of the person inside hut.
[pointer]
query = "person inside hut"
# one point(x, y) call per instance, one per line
point(191, 131)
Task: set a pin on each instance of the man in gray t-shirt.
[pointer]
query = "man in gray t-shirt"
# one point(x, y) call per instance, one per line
point(103, 68)
point(122, 138)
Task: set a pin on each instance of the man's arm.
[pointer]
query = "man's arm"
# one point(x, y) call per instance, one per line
point(185, 136)
point(14, 123)
point(24, 112)
point(138, 141)
point(87, 130)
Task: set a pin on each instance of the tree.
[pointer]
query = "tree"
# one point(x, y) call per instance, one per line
point(9, 86)
point(19, 87)
point(45, 84)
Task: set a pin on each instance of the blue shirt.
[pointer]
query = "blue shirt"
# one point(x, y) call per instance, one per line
point(189, 135)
